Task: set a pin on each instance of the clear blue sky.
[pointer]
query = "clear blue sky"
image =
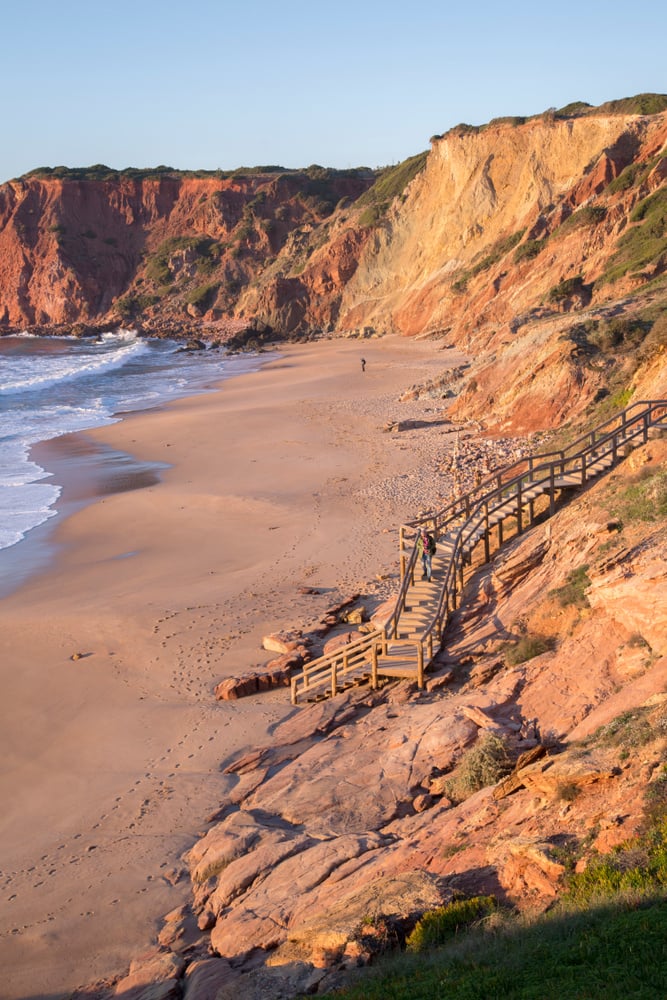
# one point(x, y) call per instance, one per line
point(229, 83)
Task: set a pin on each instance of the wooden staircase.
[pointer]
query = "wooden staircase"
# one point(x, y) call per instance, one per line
point(408, 642)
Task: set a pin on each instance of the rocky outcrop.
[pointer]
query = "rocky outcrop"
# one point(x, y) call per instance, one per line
point(367, 810)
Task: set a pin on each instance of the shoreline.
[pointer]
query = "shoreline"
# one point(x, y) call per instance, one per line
point(279, 478)
point(85, 470)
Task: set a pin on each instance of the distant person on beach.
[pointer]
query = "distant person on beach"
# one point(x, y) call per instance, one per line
point(363, 364)
point(425, 550)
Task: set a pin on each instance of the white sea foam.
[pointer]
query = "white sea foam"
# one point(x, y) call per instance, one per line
point(51, 386)
point(24, 507)
point(22, 376)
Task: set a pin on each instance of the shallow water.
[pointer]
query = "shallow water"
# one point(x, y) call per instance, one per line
point(51, 388)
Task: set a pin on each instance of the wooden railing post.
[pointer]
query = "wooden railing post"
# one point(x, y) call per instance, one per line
point(548, 470)
point(420, 665)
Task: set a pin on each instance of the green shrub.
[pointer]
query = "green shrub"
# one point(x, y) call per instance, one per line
point(568, 791)
point(134, 305)
point(157, 268)
point(655, 340)
point(573, 591)
point(652, 209)
point(621, 331)
point(202, 296)
point(526, 648)
point(482, 765)
point(573, 110)
point(437, 926)
point(589, 215)
point(641, 104)
point(495, 254)
point(566, 288)
point(529, 249)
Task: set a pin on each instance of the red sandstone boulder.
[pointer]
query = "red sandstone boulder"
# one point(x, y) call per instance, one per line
point(284, 642)
point(205, 978)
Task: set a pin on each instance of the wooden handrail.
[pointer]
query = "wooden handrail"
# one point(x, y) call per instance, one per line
point(599, 444)
point(469, 519)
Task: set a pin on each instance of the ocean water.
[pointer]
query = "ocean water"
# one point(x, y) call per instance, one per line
point(53, 386)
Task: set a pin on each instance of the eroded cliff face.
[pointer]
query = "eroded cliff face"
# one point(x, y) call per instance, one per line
point(158, 252)
point(519, 243)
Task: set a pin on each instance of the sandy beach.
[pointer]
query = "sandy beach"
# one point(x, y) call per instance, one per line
point(281, 479)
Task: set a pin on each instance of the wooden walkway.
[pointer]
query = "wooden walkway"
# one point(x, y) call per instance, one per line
point(503, 503)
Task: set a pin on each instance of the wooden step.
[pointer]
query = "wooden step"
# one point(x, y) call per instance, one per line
point(402, 668)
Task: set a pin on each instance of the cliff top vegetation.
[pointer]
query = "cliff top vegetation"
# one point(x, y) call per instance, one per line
point(101, 172)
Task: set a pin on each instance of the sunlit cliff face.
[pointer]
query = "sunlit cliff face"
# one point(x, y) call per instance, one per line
point(506, 239)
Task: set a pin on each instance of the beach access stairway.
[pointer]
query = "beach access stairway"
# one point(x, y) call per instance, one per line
point(502, 506)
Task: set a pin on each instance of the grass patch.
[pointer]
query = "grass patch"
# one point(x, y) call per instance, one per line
point(526, 648)
point(628, 731)
point(637, 868)
point(497, 252)
point(644, 243)
point(608, 953)
point(437, 926)
point(390, 185)
point(573, 591)
point(643, 500)
point(631, 176)
point(604, 940)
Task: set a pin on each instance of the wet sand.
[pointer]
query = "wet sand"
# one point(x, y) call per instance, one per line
point(112, 761)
